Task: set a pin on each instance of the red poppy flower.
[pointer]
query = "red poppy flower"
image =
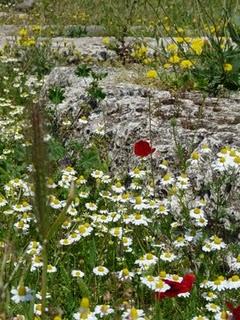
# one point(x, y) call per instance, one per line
point(177, 287)
point(235, 311)
point(142, 148)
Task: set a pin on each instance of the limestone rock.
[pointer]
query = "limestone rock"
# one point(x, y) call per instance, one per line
point(125, 116)
point(25, 4)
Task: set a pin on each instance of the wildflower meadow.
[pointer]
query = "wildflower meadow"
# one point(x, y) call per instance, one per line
point(102, 217)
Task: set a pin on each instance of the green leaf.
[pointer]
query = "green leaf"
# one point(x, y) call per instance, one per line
point(83, 71)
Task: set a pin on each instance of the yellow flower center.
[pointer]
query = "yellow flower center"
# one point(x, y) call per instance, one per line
point(125, 196)
point(34, 244)
point(217, 282)
point(150, 278)
point(101, 269)
point(167, 177)
point(125, 272)
point(118, 184)
point(22, 291)
point(74, 235)
point(82, 229)
point(162, 274)
point(104, 308)
point(37, 259)
point(195, 156)
point(168, 254)
point(197, 211)
point(237, 160)
point(136, 171)
point(133, 314)
point(235, 278)
point(138, 200)
point(116, 231)
point(138, 216)
point(149, 256)
point(160, 284)
point(180, 239)
point(217, 240)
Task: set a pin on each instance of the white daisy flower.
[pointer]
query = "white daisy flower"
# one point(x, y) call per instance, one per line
point(21, 225)
point(97, 174)
point(168, 256)
point(80, 180)
point(195, 158)
point(66, 242)
point(209, 296)
point(84, 315)
point(36, 262)
point(69, 171)
point(234, 282)
point(162, 210)
point(180, 242)
point(118, 187)
point(149, 281)
point(222, 315)
point(196, 213)
point(100, 271)
point(212, 307)
point(106, 179)
point(137, 173)
point(84, 230)
point(137, 219)
point(21, 294)
point(103, 310)
point(117, 232)
point(77, 273)
point(200, 222)
point(55, 203)
point(167, 179)
point(125, 274)
point(147, 260)
point(51, 269)
point(133, 314)
point(38, 309)
point(91, 206)
point(22, 207)
point(74, 237)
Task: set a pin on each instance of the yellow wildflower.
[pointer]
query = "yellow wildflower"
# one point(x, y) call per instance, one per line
point(197, 45)
point(174, 59)
point(227, 67)
point(179, 39)
point(106, 41)
point(172, 47)
point(152, 74)
point(167, 65)
point(186, 64)
point(23, 32)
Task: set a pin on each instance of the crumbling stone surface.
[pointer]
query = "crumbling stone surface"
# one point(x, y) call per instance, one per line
point(126, 116)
